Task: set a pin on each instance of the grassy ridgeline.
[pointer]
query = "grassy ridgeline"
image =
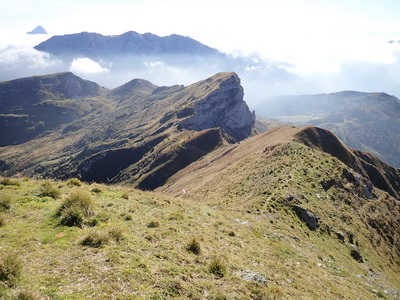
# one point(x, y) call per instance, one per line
point(114, 252)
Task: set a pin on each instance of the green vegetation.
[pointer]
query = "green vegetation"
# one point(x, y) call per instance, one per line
point(10, 268)
point(47, 189)
point(197, 250)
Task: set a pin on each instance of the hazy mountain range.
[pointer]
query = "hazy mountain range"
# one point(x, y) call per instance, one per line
point(365, 121)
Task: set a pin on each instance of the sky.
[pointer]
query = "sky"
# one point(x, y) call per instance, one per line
point(323, 41)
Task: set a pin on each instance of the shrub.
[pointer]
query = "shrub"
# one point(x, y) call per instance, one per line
point(95, 239)
point(5, 202)
point(217, 267)
point(74, 182)
point(125, 196)
point(78, 199)
point(153, 224)
point(47, 189)
point(72, 216)
point(194, 246)
point(10, 268)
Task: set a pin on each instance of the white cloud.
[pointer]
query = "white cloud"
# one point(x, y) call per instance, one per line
point(86, 66)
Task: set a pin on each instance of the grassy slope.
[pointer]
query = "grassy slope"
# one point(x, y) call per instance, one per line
point(153, 263)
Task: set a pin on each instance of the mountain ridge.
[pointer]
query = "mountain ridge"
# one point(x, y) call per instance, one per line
point(135, 119)
point(364, 121)
point(95, 45)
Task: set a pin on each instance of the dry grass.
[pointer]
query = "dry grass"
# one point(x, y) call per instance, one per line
point(124, 257)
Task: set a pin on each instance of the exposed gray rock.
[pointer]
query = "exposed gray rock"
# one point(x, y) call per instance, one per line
point(307, 217)
point(356, 255)
point(252, 276)
point(340, 236)
point(223, 108)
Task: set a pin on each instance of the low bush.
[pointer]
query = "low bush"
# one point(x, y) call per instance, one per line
point(95, 239)
point(5, 202)
point(217, 267)
point(78, 199)
point(194, 246)
point(72, 216)
point(10, 268)
point(47, 189)
point(74, 182)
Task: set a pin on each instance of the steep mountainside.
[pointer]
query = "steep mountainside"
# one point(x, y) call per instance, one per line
point(139, 133)
point(365, 121)
point(305, 175)
point(31, 106)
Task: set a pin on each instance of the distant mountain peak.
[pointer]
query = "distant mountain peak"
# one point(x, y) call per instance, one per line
point(38, 30)
point(94, 45)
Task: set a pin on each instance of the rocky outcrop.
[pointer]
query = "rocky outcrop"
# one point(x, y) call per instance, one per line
point(224, 107)
point(306, 216)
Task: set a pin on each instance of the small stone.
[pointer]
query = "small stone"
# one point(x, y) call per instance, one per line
point(252, 276)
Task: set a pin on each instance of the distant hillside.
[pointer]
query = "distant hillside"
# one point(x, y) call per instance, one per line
point(364, 121)
point(34, 105)
point(137, 133)
point(94, 45)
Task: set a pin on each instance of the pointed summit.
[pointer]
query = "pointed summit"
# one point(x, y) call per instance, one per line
point(38, 30)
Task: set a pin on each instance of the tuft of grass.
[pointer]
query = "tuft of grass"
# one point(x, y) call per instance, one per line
point(125, 196)
point(153, 224)
point(217, 267)
point(194, 246)
point(26, 295)
point(78, 199)
point(47, 189)
point(95, 239)
point(5, 202)
point(96, 190)
point(117, 233)
point(2, 219)
point(9, 181)
point(74, 182)
point(72, 216)
point(10, 268)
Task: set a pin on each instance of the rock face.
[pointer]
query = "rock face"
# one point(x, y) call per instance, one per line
point(307, 217)
point(222, 108)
